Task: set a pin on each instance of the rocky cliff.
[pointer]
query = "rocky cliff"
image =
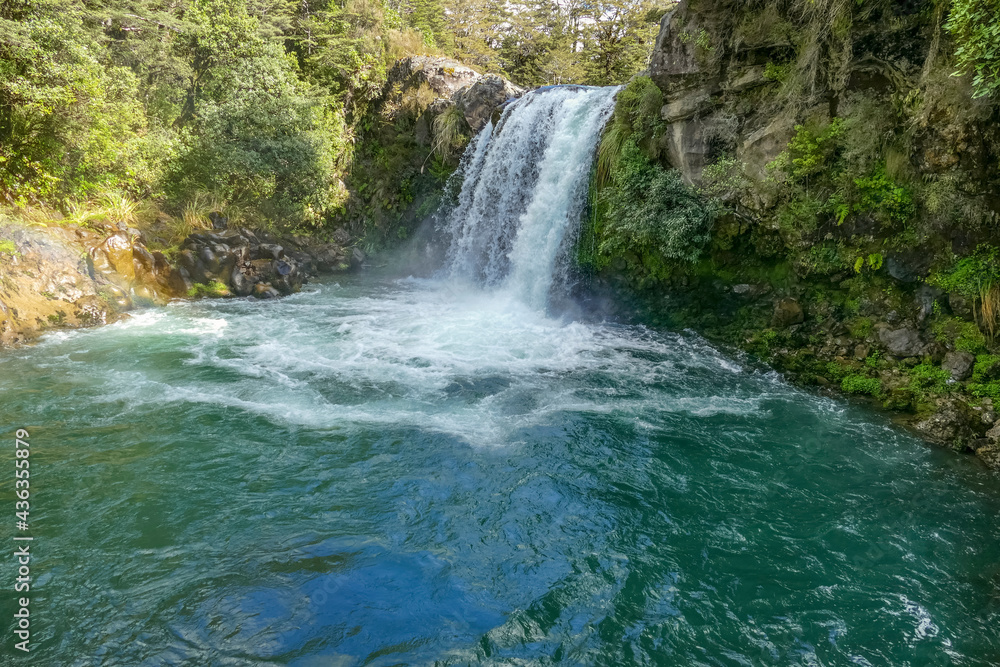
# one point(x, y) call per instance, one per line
point(856, 193)
point(67, 276)
point(412, 140)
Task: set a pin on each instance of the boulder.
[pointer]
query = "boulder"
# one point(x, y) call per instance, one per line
point(959, 364)
point(268, 251)
point(143, 258)
point(180, 281)
point(990, 455)
point(218, 220)
point(477, 102)
point(265, 291)
point(118, 250)
point(953, 424)
point(904, 342)
point(357, 258)
point(786, 313)
point(240, 283)
point(444, 76)
point(960, 306)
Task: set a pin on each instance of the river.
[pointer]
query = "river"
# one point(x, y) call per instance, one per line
point(389, 470)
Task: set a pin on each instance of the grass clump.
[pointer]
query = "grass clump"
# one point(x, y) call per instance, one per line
point(213, 289)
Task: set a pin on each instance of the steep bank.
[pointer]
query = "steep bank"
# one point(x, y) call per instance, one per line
point(67, 276)
point(833, 206)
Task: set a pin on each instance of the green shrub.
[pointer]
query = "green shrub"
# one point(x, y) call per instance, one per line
point(990, 390)
point(810, 149)
point(878, 194)
point(651, 210)
point(929, 379)
point(859, 384)
point(987, 368)
point(838, 371)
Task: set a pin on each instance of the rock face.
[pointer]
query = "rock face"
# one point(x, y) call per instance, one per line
point(74, 277)
point(953, 424)
point(744, 82)
point(453, 85)
point(69, 277)
point(693, 75)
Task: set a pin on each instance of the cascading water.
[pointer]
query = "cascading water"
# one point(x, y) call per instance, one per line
point(382, 471)
point(524, 190)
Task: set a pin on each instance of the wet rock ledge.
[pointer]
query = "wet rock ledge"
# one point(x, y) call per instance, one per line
point(64, 276)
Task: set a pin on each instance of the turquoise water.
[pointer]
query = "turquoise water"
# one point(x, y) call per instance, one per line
point(384, 472)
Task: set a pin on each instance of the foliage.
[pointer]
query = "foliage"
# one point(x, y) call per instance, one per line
point(7, 247)
point(964, 335)
point(974, 26)
point(860, 384)
point(450, 132)
point(271, 107)
point(636, 118)
point(976, 277)
point(214, 289)
point(651, 210)
point(877, 193)
point(928, 379)
point(986, 377)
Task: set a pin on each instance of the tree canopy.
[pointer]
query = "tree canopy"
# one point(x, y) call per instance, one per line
point(255, 101)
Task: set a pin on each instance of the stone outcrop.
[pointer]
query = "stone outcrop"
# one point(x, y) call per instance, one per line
point(452, 85)
point(260, 264)
point(70, 277)
point(74, 277)
point(851, 297)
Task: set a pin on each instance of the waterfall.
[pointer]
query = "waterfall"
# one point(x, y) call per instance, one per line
point(523, 191)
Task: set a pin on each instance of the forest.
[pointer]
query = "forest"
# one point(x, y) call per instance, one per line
point(256, 108)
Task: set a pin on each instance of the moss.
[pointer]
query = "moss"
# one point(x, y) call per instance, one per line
point(8, 248)
point(861, 327)
point(214, 289)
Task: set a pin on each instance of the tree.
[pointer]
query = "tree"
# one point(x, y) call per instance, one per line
point(70, 123)
point(619, 35)
point(260, 137)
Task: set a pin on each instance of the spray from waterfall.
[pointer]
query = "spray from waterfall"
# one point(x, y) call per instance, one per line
point(523, 192)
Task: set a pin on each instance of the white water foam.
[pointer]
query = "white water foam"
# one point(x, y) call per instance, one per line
point(524, 190)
